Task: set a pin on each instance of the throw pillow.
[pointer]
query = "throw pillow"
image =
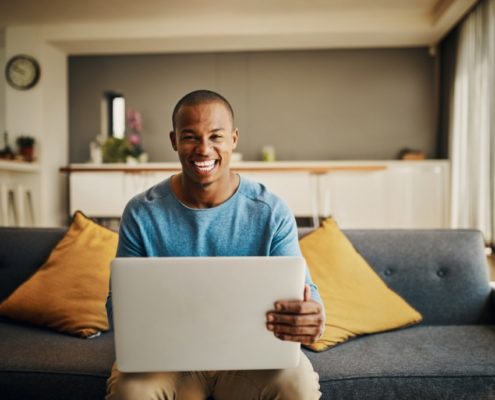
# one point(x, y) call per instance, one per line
point(69, 291)
point(356, 300)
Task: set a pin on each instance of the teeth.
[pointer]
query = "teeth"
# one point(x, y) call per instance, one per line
point(204, 164)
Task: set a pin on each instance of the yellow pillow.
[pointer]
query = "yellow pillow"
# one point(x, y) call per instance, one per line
point(68, 293)
point(356, 300)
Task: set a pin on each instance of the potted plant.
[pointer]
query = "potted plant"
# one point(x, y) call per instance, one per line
point(26, 147)
point(115, 150)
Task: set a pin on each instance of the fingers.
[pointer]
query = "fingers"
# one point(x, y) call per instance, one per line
point(301, 334)
point(297, 327)
point(294, 330)
point(307, 293)
point(298, 307)
point(295, 319)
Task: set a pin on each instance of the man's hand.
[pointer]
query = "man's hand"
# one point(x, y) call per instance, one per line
point(297, 321)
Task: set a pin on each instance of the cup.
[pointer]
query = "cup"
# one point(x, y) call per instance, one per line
point(268, 153)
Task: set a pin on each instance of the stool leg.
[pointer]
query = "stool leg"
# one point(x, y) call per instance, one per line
point(12, 206)
point(4, 205)
point(20, 206)
point(29, 199)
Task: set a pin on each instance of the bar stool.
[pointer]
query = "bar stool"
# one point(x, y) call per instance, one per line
point(8, 210)
point(23, 205)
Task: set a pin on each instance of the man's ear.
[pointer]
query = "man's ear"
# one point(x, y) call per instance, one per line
point(173, 140)
point(235, 138)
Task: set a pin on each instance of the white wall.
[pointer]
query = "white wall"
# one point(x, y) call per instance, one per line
point(41, 112)
point(2, 86)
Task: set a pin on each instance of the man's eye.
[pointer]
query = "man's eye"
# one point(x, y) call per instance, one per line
point(216, 138)
point(188, 137)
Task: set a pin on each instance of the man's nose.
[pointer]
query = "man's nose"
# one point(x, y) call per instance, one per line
point(203, 147)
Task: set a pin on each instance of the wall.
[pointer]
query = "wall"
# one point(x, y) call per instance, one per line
point(41, 112)
point(311, 105)
point(3, 61)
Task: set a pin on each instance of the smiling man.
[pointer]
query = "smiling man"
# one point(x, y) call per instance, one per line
point(207, 210)
point(204, 138)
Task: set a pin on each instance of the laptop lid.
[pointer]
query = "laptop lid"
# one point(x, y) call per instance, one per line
point(202, 313)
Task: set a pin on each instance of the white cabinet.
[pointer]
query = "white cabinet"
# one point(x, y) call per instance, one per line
point(417, 197)
point(97, 194)
point(386, 194)
point(105, 194)
point(135, 183)
point(354, 199)
point(403, 195)
point(298, 189)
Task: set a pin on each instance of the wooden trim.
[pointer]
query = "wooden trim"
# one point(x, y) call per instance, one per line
point(118, 169)
point(311, 170)
point(314, 170)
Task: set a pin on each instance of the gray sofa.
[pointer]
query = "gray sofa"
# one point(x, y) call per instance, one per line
point(443, 274)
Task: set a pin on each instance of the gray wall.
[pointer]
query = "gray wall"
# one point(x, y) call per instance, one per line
point(311, 105)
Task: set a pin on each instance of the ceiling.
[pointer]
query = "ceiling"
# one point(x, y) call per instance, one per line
point(97, 26)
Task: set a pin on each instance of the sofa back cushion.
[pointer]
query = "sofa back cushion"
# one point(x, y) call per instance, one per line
point(22, 252)
point(441, 273)
point(69, 291)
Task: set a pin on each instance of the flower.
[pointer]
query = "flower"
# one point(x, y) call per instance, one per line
point(134, 120)
point(135, 126)
point(134, 139)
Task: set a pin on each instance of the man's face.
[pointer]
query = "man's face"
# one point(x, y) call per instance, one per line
point(204, 139)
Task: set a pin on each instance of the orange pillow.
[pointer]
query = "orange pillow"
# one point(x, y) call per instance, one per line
point(68, 293)
point(356, 300)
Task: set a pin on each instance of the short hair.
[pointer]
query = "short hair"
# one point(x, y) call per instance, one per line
point(200, 97)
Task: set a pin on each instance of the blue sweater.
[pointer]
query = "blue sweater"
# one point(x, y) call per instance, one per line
point(253, 222)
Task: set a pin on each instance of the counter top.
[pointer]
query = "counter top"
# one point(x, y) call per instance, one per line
point(316, 167)
point(18, 166)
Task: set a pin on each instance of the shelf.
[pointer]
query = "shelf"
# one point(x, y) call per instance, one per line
point(18, 166)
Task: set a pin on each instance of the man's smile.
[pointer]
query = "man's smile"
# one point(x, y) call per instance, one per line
point(205, 167)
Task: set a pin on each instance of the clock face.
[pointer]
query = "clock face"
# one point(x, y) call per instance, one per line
point(22, 72)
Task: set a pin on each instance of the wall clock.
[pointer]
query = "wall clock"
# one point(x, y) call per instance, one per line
point(22, 72)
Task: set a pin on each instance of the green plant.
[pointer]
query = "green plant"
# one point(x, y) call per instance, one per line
point(115, 150)
point(25, 142)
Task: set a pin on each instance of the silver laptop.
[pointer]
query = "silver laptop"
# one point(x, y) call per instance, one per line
point(202, 313)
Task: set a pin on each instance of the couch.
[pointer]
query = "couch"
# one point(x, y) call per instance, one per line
point(442, 273)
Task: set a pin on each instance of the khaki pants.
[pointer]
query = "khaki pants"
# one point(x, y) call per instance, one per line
point(300, 383)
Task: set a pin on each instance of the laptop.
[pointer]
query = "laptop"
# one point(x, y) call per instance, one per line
point(202, 313)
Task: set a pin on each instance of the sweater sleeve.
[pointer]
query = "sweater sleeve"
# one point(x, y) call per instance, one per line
point(286, 243)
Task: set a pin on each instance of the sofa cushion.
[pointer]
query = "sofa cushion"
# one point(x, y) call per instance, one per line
point(42, 364)
point(442, 273)
point(356, 300)
point(22, 252)
point(422, 362)
point(69, 291)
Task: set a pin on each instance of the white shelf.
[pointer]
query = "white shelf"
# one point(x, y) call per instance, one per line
point(18, 166)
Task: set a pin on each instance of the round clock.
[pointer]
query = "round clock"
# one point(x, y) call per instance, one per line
point(22, 72)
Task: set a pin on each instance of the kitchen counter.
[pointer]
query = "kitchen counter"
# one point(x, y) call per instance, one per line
point(359, 194)
point(316, 167)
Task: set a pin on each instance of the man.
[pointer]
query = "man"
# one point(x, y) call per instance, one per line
point(207, 210)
